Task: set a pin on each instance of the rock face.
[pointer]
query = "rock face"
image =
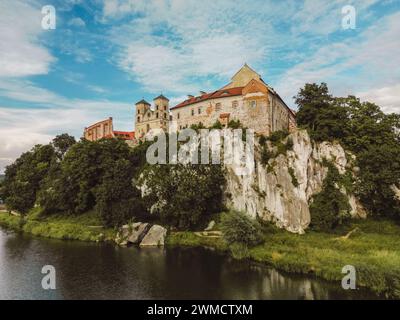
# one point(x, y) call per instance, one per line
point(155, 237)
point(138, 233)
point(271, 192)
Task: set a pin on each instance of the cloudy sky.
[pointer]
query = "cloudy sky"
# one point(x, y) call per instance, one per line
point(104, 56)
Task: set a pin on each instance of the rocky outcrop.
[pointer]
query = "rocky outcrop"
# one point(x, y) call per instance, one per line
point(396, 191)
point(143, 234)
point(155, 237)
point(281, 190)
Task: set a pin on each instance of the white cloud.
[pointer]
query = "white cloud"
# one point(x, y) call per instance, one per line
point(22, 128)
point(21, 53)
point(178, 45)
point(363, 63)
point(387, 97)
point(169, 45)
point(76, 22)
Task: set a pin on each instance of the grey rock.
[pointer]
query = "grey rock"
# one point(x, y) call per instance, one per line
point(210, 226)
point(269, 191)
point(155, 237)
point(138, 232)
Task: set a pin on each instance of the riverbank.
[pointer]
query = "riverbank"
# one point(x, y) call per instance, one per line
point(83, 228)
point(373, 249)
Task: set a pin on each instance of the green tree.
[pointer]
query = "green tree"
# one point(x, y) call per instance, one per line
point(183, 196)
point(319, 113)
point(23, 178)
point(330, 207)
point(117, 200)
point(362, 128)
point(73, 186)
point(62, 143)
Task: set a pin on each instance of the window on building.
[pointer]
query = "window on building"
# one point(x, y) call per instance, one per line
point(192, 112)
point(199, 110)
point(156, 107)
point(253, 103)
point(148, 115)
point(157, 115)
point(165, 108)
point(218, 106)
point(178, 116)
point(170, 118)
point(234, 104)
point(165, 115)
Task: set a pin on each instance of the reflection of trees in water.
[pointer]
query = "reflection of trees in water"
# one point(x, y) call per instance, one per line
point(90, 271)
point(109, 272)
point(246, 280)
point(14, 245)
point(283, 287)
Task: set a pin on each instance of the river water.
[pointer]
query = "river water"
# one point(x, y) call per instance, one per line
point(104, 271)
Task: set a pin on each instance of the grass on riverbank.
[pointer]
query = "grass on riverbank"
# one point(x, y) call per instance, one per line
point(86, 227)
point(374, 250)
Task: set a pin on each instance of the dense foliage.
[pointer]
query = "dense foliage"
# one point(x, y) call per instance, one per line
point(183, 196)
point(362, 128)
point(330, 207)
point(23, 178)
point(71, 178)
point(238, 227)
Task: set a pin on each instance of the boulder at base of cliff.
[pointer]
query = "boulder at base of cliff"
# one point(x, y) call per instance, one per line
point(154, 237)
point(138, 232)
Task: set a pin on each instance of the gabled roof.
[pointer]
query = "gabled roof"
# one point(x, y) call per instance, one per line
point(213, 95)
point(162, 97)
point(143, 102)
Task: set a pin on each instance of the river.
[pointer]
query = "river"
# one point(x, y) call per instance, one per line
point(104, 271)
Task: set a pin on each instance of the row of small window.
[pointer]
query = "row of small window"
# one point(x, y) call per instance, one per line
point(157, 116)
point(217, 108)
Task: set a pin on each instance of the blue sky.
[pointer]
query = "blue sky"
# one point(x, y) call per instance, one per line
point(104, 56)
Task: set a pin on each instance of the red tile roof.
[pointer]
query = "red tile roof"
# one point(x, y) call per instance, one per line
point(126, 135)
point(213, 95)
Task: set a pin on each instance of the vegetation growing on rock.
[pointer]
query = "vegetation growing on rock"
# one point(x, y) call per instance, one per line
point(362, 128)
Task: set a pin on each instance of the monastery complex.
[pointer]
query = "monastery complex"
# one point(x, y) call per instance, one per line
point(246, 98)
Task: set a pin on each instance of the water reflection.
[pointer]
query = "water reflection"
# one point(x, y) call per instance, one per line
point(93, 271)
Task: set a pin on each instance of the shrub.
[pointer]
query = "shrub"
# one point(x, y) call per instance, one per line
point(330, 207)
point(266, 155)
point(238, 228)
point(278, 136)
point(262, 140)
point(293, 176)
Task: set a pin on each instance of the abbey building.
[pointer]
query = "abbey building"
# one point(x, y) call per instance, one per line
point(246, 98)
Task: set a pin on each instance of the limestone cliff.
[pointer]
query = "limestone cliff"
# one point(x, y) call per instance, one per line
point(281, 190)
